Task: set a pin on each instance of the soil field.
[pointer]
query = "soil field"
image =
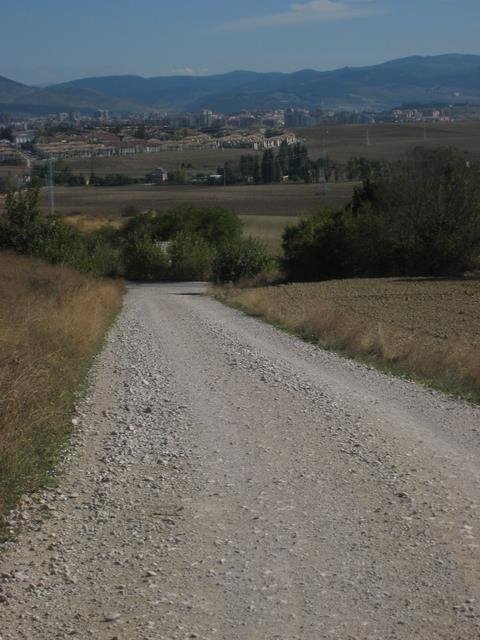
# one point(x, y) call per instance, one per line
point(429, 326)
point(390, 141)
point(436, 310)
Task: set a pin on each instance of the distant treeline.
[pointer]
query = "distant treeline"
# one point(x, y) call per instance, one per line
point(292, 163)
point(289, 163)
point(63, 175)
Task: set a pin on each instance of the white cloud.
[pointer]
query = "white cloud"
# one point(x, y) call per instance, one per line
point(305, 12)
point(188, 71)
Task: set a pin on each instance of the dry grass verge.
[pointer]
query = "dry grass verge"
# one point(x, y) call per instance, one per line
point(52, 321)
point(426, 329)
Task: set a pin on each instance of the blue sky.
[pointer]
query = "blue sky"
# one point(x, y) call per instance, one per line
point(45, 41)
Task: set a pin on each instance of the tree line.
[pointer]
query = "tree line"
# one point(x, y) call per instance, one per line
point(420, 219)
point(185, 243)
point(292, 163)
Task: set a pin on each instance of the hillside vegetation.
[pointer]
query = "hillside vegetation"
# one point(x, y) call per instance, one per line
point(52, 321)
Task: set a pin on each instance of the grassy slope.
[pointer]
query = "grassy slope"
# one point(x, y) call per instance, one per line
point(52, 321)
point(426, 329)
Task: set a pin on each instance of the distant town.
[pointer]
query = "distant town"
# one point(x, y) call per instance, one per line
point(73, 135)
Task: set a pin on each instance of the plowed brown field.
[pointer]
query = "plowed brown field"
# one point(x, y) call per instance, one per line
point(431, 327)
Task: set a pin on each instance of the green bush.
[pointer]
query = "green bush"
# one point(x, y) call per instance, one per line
point(26, 231)
point(191, 257)
point(145, 259)
point(318, 247)
point(105, 251)
point(242, 258)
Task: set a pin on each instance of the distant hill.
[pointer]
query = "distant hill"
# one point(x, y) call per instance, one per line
point(20, 98)
point(447, 78)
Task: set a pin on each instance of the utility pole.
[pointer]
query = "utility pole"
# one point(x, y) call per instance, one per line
point(224, 174)
point(51, 181)
point(424, 131)
point(324, 136)
point(368, 137)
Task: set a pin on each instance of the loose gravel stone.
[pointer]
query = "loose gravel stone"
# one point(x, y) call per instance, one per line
point(226, 480)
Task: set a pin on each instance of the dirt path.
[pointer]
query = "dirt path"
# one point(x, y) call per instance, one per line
point(231, 482)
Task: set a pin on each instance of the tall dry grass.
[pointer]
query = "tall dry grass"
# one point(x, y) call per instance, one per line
point(453, 366)
point(52, 321)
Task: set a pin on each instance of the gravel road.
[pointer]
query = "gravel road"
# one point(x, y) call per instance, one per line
point(228, 481)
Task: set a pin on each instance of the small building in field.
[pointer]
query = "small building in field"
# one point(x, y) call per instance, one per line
point(157, 176)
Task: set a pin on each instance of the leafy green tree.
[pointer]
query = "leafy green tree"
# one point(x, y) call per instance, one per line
point(268, 167)
point(144, 258)
point(283, 158)
point(191, 257)
point(257, 175)
point(421, 219)
point(141, 132)
point(318, 248)
point(6, 133)
point(243, 258)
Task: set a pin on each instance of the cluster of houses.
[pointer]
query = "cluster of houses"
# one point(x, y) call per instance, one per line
point(81, 148)
point(9, 153)
point(256, 141)
point(420, 115)
point(105, 144)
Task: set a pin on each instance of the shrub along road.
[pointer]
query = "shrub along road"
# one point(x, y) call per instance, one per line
point(230, 481)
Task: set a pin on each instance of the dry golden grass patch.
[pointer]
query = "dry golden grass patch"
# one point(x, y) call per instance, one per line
point(88, 224)
point(52, 321)
point(425, 328)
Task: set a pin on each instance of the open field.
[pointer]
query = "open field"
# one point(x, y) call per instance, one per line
point(136, 166)
point(269, 229)
point(260, 200)
point(429, 328)
point(52, 320)
point(265, 209)
point(390, 141)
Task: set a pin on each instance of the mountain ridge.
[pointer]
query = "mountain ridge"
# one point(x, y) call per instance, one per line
point(444, 78)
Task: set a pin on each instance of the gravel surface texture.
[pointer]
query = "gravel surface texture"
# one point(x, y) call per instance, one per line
point(228, 481)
